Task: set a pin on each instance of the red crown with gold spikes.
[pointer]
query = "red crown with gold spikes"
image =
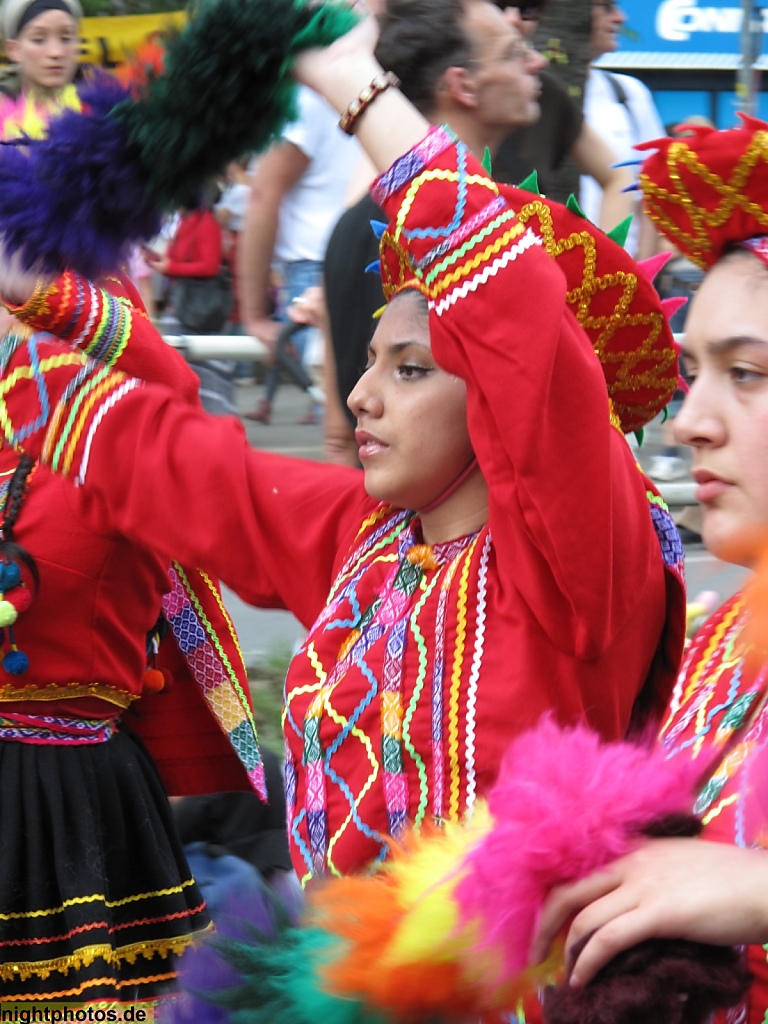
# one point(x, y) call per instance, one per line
point(709, 190)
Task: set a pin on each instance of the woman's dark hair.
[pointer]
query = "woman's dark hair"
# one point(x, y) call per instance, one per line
point(734, 251)
point(421, 304)
point(10, 551)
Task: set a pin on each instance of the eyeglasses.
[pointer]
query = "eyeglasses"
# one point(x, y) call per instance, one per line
point(528, 12)
point(514, 52)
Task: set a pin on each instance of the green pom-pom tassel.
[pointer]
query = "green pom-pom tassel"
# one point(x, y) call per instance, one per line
point(640, 437)
point(327, 24)
point(226, 90)
point(621, 231)
point(8, 614)
point(281, 980)
point(572, 204)
point(531, 184)
point(488, 162)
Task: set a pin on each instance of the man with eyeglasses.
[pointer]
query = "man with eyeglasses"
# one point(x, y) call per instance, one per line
point(622, 110)
point(561, 132)
point(463, 64)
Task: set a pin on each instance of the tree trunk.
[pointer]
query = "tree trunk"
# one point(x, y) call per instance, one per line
point(563, 37)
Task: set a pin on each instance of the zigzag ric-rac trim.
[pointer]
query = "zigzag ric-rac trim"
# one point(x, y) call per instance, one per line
point(528, 240)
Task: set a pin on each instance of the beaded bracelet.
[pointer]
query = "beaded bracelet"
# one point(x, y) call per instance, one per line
point(379, 84)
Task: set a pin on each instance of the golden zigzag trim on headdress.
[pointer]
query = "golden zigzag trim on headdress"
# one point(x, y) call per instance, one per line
point(709, 190)
point(605, 328)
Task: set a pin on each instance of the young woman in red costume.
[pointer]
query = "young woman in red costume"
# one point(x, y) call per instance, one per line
point(121, 679)
point(473, 577)
point(97, 717)
point(709, 195)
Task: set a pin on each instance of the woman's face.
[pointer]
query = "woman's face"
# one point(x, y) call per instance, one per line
point(46, 50)
point(725, 416)
point(411, 415)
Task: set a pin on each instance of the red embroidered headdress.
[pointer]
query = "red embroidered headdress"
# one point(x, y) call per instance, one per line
point(609, 293)
point(709, 190)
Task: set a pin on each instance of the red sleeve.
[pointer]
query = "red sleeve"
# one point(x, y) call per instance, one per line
point(186, 485)
point(200, 255)
point(568, 510)
point(108, 325)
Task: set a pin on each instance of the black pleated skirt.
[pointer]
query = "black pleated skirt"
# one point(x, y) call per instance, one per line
point(96, 899)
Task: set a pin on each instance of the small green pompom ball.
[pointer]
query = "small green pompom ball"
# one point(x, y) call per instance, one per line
point(8, 614)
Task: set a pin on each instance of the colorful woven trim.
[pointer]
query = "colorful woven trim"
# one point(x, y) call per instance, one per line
point(107, 329)
point(461, 254)
point(218, 678)
point(50, 731)
point(413, 163)
point(450, 682)
point(88, 397)
point(708, 190)
point(490, 229)
point(72, 424)
point(99, 319)
point(718, 716)
point(672, 551)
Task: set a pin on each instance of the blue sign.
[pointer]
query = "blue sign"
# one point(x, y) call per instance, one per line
point(693, 33)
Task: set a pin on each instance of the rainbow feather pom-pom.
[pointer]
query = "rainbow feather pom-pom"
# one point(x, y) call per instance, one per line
point(441, 931)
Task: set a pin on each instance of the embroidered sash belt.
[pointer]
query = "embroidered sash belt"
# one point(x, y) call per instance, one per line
point(46, 729)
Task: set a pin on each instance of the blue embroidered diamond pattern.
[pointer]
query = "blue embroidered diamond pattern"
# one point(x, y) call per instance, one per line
point(669, 538)
point(189, 632)
point(17, 433)
point(460, 206)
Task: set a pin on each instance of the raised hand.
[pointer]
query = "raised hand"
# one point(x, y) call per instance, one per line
point(16, 283)
point(391, 125)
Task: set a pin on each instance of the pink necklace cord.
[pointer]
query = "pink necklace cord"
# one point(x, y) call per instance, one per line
point(451, 487)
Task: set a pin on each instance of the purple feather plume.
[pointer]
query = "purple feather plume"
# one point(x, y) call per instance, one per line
point(83, 157)
point(101, 178)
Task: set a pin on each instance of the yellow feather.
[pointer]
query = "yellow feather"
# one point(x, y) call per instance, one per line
point(427, 878)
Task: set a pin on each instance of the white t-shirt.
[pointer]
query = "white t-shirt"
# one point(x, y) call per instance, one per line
point(310, 210)
point(235, 201)
point(622, 125)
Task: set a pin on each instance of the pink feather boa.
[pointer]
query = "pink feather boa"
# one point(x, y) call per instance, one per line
point(565, 805)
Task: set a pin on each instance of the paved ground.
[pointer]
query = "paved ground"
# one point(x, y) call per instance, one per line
point(266, 632)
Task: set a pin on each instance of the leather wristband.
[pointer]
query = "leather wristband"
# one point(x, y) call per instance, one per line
point(378, 84)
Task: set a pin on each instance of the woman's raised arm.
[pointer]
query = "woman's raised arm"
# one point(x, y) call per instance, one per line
point(390, 125)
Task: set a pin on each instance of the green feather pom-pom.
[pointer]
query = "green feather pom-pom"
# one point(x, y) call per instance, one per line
point(326, 24)
point(280, 981)
point(226, 90)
